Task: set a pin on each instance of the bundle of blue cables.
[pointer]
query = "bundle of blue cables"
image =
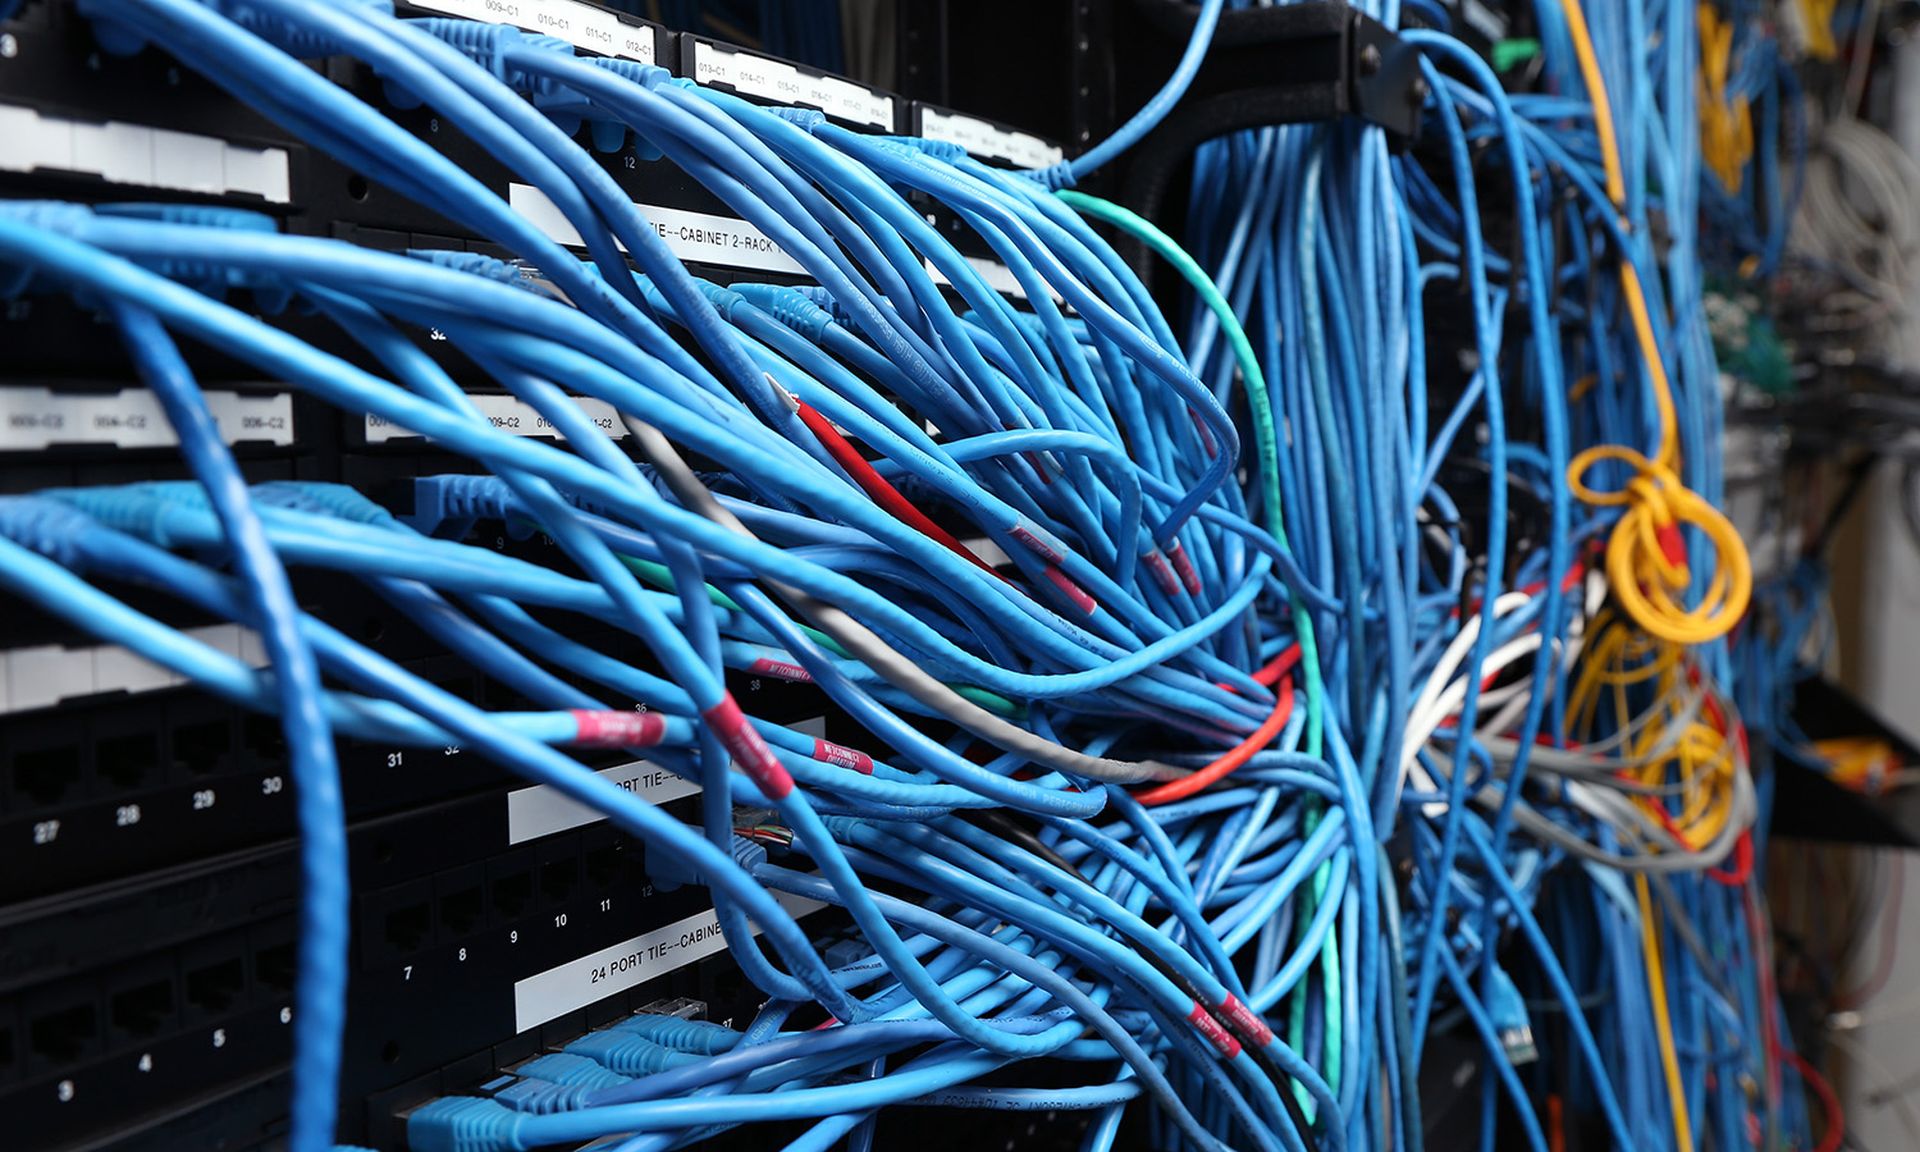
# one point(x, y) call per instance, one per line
point(1218, 744)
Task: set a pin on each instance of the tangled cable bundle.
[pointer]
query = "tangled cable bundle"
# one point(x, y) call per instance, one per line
point(1252, 706)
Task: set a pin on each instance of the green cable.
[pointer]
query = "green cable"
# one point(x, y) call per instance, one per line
point(1266, 440)
point(1267, 444)
point(1507, 53)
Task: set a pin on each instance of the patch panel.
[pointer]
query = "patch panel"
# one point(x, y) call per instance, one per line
point(147, 953)
point(434, 942)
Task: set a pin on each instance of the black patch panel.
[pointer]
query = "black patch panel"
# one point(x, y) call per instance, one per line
point(147, 878)
point(120, 1001)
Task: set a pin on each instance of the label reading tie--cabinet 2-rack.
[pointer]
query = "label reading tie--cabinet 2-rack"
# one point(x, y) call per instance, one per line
point(696, 237)
point(582, 25)
point(574, 985)
point(784, 83)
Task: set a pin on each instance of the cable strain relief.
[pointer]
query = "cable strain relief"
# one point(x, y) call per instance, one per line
point(460, 497)
point(723, 298)
point(938, 149)
point(844, 829)
point(485, 44)
point(49, 527)
point(464, 1124)
point(790, 307)
point(289, 36)
point(570, 1068)
point(538, 1097)
point(340, 501)
point(1053, 177)
point(701, 1037)
point(638, 72)
point(474, 264)
point(129, 510)
point(806, 118)
point(628, 1054)
point(747, 853)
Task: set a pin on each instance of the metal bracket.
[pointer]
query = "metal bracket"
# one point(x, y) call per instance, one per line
point(1287, 64)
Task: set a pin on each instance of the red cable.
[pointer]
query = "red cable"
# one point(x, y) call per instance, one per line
point(1836, 1129)
point(1241, 753)
point(1742, 863)
point(884, 494)
point(1277, 667)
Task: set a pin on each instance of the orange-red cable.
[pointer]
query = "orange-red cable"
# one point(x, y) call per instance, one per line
point(1241, 753)
point(876, 486)
point(1836, 1129)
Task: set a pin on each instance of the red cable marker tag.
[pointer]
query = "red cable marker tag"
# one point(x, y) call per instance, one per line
point(1211, 1029)
point(750, 753)
point(1207, 441)
point(1672, 545)
point(603, 729)
point(780, 670)
point(1032, 538)
point(1184, 566)
point(1162, 572)
point(1248, 1020)
point(828, 752)
point(1072, 591)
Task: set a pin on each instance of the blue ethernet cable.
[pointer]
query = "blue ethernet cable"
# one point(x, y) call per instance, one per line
point(321, 979)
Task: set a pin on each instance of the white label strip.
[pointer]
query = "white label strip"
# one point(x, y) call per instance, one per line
point(989, 140)
point(509, 414)
point(36, 418)
point(997, 276)
point(784, 84)
point(41, 677)
point(543, 810)
point(700, 237)
point(122, 153)
point(582, 25)
point(628, 964)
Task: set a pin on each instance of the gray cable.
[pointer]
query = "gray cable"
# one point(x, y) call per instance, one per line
point(866, 646)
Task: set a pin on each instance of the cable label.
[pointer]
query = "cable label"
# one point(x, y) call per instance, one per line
point(608, 729)
point(1184, 566)
point(511, 415)
point(35, 418)
point(543, 809)
point(1248, 1021)
point(827, 752)
point(572, 986)
point(1211, 1029)
point(1161, 571)
point(750, 753)
point(1039, 540)
point(584, 26)
point(986, 140)
point(1072, 591)
point(782, 83)
point(780, 670)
